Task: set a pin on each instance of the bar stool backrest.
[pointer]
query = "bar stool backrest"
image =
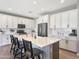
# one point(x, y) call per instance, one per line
point(28, 47)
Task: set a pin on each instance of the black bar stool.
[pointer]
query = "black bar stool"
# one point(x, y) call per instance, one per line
point(31, 52)
point(13, 43)
point(18, 51)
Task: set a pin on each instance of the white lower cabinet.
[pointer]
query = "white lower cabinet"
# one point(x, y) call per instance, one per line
point(4, 40)
point(70, 45)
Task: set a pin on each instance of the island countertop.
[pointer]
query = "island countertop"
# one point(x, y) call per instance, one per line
point(39, 41)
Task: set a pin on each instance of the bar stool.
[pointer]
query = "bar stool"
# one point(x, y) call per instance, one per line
point(13, 43)
point(18, 49)
point(31, 52)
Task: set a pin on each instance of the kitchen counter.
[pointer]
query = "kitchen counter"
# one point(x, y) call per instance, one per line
point(39, 41)
point(74, 38)
point(49, 45)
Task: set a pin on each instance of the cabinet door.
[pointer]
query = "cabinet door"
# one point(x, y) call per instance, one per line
point(5, 40)
point(15, 22)
point(65, 20)
point(73, 19)
point(72, 45)
point(45, 19)
point(39, 20)
point(19, 20)
point(28, 23)
point(3, 21)
point(52, 21)
point(58, 20)
point(9, 21)
point(32, 24)
point(23, 20)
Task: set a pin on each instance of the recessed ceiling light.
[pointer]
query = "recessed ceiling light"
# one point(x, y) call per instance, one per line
point(62, 1)
point(34, 2)
point(9, 8)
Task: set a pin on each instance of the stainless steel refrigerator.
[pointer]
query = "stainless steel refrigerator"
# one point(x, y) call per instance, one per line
point(43, 29)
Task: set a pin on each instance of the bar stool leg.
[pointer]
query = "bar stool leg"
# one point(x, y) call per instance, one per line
point(11, 48)
point(21, 53)
point(38, 56)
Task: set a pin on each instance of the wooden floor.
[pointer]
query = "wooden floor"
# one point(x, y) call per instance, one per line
point(5, 54)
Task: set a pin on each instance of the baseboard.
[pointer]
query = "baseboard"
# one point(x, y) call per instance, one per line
point(5, 45)
point(68, 51)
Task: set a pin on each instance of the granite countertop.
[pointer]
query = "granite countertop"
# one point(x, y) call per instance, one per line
point(41, 42)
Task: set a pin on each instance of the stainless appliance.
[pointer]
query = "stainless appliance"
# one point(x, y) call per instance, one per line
point(43, 29)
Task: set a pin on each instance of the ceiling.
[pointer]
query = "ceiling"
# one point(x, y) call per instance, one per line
point(33, 8)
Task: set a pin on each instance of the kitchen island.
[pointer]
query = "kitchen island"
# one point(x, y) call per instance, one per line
point(49, 45)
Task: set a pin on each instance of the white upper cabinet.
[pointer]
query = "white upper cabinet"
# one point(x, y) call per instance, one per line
point(29, 23)
point(55, 21)
point(32, 24)
point(42, 19)
point(58, 20)
point(3, 20)
point(15, 22)
point(9, 21)
point(65, 20)
point(45, 19)
point(23, 21)
point(19, 20)
point(52, 21)
point(39, 20)
point(73, 17)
